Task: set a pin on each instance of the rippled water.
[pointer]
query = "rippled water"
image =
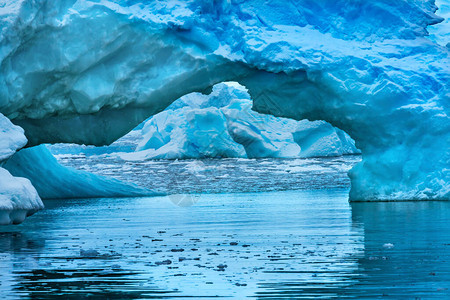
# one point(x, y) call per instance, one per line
point(229, 175)
point(287, 232)
point(292, 244)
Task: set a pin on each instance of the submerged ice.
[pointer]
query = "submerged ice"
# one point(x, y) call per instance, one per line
point(366, 67)
point(222, 124)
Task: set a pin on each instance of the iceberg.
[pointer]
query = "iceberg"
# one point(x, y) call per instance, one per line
point(54, 181)
point(186, 133)
point(318, 138)
point(222, 124)
point(27, 175)
point(11, 138)
point(18, 198)
point(368, 68)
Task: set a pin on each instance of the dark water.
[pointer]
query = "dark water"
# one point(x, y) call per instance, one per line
point(286, 232)
point(274, 245)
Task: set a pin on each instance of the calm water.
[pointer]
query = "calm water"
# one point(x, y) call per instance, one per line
point(274, 245)
point(286, 232)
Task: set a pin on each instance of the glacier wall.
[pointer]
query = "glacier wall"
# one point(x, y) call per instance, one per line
point(90, 71)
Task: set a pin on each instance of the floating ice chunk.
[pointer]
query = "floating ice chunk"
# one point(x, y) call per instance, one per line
point(18, 198)
point(388, 246)
point(53, 180)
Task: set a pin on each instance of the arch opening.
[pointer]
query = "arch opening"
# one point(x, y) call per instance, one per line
point(220, 124)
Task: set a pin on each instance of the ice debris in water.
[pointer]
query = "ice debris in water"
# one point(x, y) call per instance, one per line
point(388, 246)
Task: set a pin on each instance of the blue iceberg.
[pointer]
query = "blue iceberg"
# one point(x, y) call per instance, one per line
point(54, 181)
point(88, 72)
point(222, 124)
point(18, 197)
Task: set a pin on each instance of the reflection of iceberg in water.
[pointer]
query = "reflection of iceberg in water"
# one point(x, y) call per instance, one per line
point(418, 264)
point(405, 255)
point(329, 268)
point(15, 247)
point(274, 245)
point(289, 238)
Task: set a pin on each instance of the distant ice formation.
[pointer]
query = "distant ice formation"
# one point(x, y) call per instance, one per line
point(440, 33)
point(88, 72)
point(223, 124)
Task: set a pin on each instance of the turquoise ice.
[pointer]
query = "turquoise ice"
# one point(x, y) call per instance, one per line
point(88, 72)
point(222, 124)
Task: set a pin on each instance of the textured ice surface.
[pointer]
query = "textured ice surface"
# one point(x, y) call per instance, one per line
point(187, 133)
point(11, 138)
point(366, 67)
point(53, 180)
point(441, 32)
point(18, 198)
point(223, 124)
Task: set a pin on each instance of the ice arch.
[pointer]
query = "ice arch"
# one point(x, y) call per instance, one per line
point(89, 71)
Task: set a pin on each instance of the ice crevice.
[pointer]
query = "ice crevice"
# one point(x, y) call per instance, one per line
point(90, 71)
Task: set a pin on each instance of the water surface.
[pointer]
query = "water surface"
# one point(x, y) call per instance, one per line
point(226, 175)
point(265, 228)
point(273, 245)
